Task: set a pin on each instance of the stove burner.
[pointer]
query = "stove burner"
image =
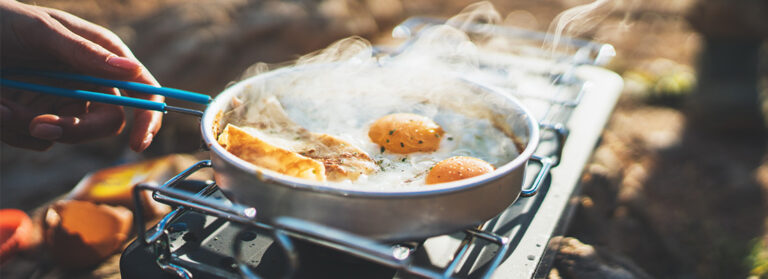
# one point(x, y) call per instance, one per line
point(204, 244)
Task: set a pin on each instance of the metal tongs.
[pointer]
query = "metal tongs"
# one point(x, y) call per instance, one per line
point(106, 98)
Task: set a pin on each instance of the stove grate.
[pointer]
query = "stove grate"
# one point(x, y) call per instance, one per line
point(398, 256)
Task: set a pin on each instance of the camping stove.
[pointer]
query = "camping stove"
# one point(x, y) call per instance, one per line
point(207, 236)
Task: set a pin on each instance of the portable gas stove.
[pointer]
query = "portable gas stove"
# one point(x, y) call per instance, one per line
point(207, 236)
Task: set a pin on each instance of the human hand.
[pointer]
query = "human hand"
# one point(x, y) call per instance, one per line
point(39, 37)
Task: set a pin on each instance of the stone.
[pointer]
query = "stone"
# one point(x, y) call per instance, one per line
point(577, 260)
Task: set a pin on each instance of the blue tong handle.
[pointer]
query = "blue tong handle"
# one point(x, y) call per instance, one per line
point(106, 98)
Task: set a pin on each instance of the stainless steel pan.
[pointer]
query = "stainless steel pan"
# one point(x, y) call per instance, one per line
point(413, 213)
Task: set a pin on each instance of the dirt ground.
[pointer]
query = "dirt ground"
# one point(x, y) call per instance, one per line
point(678, 200)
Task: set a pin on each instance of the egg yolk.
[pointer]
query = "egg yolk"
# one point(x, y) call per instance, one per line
point(457, 168)
point(405, 133)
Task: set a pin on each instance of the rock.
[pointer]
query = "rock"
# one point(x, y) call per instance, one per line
point(727, 100)
point(732, 19)
point(577, 260)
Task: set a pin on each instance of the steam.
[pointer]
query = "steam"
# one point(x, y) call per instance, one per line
point(343, 88)
point(574, 21)
point(481, 14)
point(469, 45)
point(580, 20)
point(461, 43)
point(350, 50)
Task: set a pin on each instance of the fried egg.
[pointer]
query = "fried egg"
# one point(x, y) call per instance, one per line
point(457, 168)
point(405, 133)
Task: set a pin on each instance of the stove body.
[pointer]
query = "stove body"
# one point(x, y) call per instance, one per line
point(206, 236)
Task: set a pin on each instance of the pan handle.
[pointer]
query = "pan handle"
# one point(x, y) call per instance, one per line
point(561, 135)
point(546, 166)
point(549, 162)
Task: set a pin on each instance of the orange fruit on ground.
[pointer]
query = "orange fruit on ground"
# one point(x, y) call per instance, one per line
point(81, 234)
point(15, 232)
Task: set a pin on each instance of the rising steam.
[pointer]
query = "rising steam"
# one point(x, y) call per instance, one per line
point(341, 89)
point(454, 45)
point(574, 21)
point(469, 45)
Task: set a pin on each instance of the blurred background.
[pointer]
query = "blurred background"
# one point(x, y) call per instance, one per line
point(677, 188)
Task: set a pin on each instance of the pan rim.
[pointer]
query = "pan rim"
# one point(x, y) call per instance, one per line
point(275, 178)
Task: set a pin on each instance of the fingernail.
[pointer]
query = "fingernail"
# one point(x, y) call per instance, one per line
point(147, 141)
point(47, 131)
point(5, 112)
point(123, 63)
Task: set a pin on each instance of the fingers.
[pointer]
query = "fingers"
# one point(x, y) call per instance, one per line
point(146, 123)
point(74, 121)
point(71, 107)
point(89, 49)
point(45, 32)
point(145, 127)
point(92, 32)
point(19, 140)
point(100, 120)
point(12, 130)
point(106, 121)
